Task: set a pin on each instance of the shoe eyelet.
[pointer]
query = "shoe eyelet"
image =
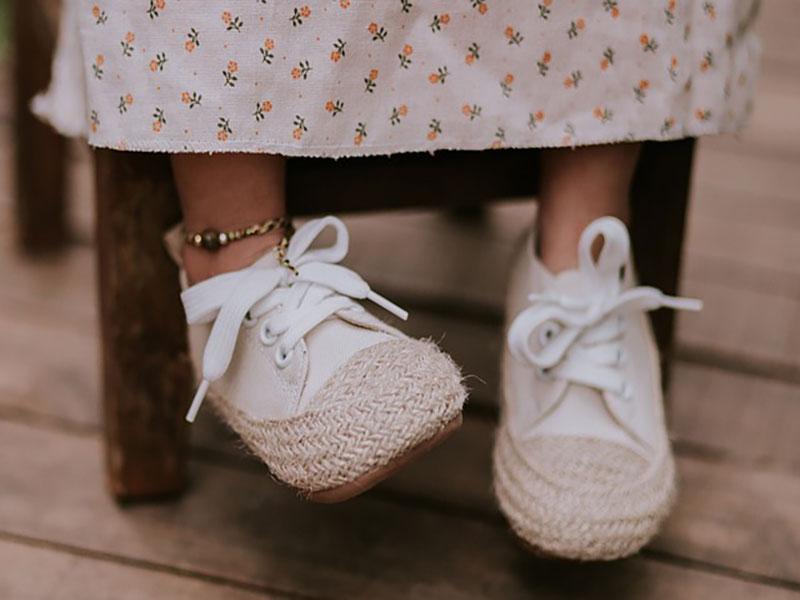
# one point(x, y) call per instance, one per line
point(283, 357)
point(267, 338)
point(248, 320)
point(548, 331)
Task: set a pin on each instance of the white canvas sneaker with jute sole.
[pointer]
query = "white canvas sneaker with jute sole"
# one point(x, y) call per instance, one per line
point(332, 399)
point(582, 464)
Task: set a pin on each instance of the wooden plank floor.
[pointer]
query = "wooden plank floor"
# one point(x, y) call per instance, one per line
point(433, 531)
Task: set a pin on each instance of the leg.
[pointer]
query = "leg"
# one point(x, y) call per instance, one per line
point(228, 191)
point(40, 205)
point(577, 187)
point(147, 379)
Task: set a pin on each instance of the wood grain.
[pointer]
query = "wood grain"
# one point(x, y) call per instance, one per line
point(239, 527)
point(35, 571)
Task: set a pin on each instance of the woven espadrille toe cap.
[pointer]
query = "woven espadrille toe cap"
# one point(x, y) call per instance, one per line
point(581, 498)
point(383, 402)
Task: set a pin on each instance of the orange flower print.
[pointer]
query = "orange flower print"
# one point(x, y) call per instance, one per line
point(157, 64)
point(513, 36)
point(667, 126)
point(481, 5)
point(300, 127)
point(231, 23)
point(191, 99)
point(302, 70)
point(608, 58)
point(710, 10)
point(574, 79)
point(440, 76)
point(439, 21)
point(398, 113)
point(344, 3)
point(224, 130)
point(127, 44)
point(370, 81)
point(575, 27)
point(378, 33)
point(361, 134)
point(707, 62)
point(543, 64)
point(669, 12)
point(602, 114)
point(262, 108)
point(544, 9)
point(506, 84)
point(230, 74)
point(266, 50)
point(703, 114)
point(473, 53)
point(156, 6)
point(640, 90)
point(99, 15)
point(499, 138)
point(534, 119)
point(94, 121)
point(339, 50)
point(299, 15)
point(405, 56)
point(159, 121)
point(434, 129)
point(471, 111)
point(673, 68)
point(124, 102)
point(611, 7)
point(97, 66)
point(334, 107)
point(192, 41)
point(647, 43)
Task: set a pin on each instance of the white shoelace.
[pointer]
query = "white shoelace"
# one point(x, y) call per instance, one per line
point(296, 301)
point(580, 338)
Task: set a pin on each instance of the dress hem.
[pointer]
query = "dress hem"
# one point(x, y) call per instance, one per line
point(332, 151)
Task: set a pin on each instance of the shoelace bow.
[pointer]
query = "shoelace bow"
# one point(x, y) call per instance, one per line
point(579, 339)
point(297, 300)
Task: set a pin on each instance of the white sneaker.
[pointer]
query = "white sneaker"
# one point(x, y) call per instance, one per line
point(328, 396)
point(582, 464)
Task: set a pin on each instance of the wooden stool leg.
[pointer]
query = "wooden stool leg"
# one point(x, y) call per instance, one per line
point(40, 152)
point(146, 370)
point(659, 199)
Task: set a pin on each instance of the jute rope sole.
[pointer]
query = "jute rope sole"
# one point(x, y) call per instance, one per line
point(370, 480)
point(568, 515)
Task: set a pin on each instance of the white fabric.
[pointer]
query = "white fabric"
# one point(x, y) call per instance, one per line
point(285, 305)
point(583, 349)
point(327, 78)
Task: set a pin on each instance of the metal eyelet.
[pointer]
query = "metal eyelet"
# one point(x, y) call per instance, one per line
point(283, 357)
point(249, 321)
point(267, 337)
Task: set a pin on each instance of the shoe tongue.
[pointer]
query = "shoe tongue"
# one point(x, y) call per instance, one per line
point(571, 283)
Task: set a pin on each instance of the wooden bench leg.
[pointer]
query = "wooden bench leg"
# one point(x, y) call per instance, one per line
point(40, 152)
point(147, 376)
point(659, 199)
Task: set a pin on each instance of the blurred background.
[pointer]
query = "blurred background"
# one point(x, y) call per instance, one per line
point(433, 531)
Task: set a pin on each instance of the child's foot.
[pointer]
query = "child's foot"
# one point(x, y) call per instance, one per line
point(583, 466)
point(329, 397)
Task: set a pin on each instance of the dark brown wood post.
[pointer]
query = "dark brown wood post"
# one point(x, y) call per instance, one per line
point(147, 377)
point(659, 199)
point(40, 152)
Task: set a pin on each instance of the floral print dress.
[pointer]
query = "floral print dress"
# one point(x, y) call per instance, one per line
point(357, 77)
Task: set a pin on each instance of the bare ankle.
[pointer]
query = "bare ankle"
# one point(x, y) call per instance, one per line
point(200, 264)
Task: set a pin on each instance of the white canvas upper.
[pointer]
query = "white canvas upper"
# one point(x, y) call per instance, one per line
point(581, 359)
point(242, 362)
